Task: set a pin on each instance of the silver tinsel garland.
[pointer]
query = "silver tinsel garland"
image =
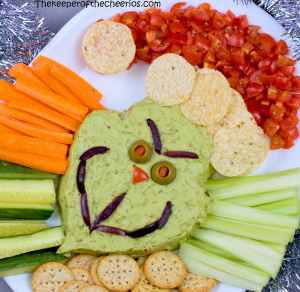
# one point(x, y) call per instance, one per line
point(23, 34)
point(287, 13)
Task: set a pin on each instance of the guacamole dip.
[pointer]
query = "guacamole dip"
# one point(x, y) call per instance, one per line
point(110, 174)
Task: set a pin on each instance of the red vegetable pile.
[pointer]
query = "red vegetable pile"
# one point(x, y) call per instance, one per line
point(255, 64)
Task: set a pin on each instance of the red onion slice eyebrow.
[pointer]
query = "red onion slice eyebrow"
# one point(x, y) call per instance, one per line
point(85, 212)
point(155, 136)
point(93, 152)
point(158, 224)
point(109, 210)
point(80, 177)
point(181, 154)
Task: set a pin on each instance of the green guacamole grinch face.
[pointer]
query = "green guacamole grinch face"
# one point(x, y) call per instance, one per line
point(109, 213)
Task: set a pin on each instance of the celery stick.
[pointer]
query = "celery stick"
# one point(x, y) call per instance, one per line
point(212, 249)
point(252, 231)
point(255, 253)
point(189, 251)
point(204, 270)
point(263, 198)
point(252, 215)
point(278, 247)
point(285, 207)
point(240, 186)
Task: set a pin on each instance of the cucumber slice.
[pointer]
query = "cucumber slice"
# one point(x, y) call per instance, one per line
point(25, 211)
point(252, 231)
point(188, 251)
point(27, 191)
point(253, 252)
point(264, 198)
point(28, 262)
point(13, 171)
point(204, 270)
point(252, 215)
point(21, 227)
point(241, 186)
point(12, 246)
point(285, 207)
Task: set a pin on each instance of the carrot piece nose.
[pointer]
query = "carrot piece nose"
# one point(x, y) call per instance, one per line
point(139, 175)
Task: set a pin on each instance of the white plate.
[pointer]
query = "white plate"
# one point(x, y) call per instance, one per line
point(127, 88)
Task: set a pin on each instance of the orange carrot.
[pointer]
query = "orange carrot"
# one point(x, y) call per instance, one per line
point(39, 162)
point(20, 101)
point(86, 93)
point(49, 98)
point(5, 88)
point(35, 131)
point(21, 70)
point(25, 144)
point(38, 109)
point(7, 130)
point(29, 118)
point(42, 71)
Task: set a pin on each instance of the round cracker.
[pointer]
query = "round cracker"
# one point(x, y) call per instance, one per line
point(210, 99)
point(50, 277)
point(82, 261)
point(197, 283)
point(108, 47)
point(170, 80)
point(93, 271)
point(72, 286)
point(145, 286)
point(239, 150)
point(93, 288)
point(237, 115)
point(82, 275)
point(165, 270)
point(118, 272)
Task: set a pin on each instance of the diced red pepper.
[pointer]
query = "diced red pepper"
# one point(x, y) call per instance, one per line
point(254, 63)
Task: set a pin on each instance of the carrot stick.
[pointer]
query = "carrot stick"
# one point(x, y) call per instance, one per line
point(5, 88)
point(26, 144)
point(49, 98)
point(39, 162)
point(20, 101)
point(7, 130)
point(35, 131)
point(21, 70)
point(42, 111)
point(87, 94)
point(42, 71)
point(29, 118)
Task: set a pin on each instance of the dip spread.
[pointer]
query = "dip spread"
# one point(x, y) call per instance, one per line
point(110, 174)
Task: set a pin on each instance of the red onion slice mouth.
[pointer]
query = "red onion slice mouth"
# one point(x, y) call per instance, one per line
point(93, 152)
point(111, 230)
point(181, 154)
point(85, 212)
point(158, 224)
point(155, 136)
point(108, 210)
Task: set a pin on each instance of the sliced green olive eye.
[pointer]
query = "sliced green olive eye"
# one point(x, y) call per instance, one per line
point(140, 152)
point(163, 172)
